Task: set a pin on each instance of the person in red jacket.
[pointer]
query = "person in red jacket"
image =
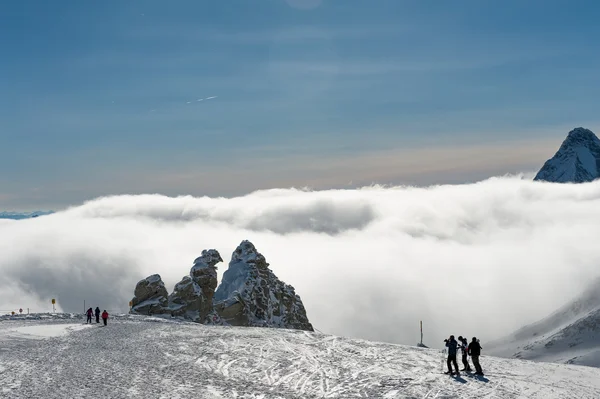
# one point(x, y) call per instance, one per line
point(105, 316)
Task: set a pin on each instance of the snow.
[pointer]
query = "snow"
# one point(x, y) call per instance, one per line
point(153, 279)
point(151, 301)
point(577, 160)
point(234, 279)
point(209, 258)
point(143, 357)
point(586, 159)
point(569, 335)
point(40, 331)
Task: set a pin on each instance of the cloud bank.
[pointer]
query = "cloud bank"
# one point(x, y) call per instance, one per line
point(478, 259)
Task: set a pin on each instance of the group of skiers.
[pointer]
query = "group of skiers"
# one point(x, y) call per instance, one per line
point(91, 312)
point(472, 349)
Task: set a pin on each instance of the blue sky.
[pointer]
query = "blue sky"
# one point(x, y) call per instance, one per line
point(102, 98)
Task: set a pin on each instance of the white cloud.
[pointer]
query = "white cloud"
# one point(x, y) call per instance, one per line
point(476, 260)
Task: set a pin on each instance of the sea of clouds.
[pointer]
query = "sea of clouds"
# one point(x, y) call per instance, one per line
point(477, 259)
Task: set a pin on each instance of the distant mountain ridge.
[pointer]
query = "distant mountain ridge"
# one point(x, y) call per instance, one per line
point(576, 161)
point(23, 215)
point(569, 335)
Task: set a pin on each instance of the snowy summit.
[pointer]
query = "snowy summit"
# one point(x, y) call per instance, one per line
point(576, 161)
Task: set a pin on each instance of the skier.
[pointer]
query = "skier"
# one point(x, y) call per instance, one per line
point(463, 349)
point(452, 345)
point(89, 315)
point(97, 312)
point(105, 316)
point(474, 350)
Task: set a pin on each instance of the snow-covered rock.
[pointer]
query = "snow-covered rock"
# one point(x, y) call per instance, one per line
point(192, 297)
point(252, 295)
point(151, 296)
point(249, 295)
point(569, 335)
point(577, 160)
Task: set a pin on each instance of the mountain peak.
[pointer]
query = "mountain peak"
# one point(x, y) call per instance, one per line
point(581, 135)
point(576, 161)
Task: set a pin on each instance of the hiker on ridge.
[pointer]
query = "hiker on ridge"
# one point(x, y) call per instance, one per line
point(105, 316)
point(97, 312)
point(89, 314)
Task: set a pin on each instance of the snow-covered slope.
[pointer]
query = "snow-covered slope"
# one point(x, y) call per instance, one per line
point(577, 160)
point(569, 335)
point(20, 215)
point(144, 357)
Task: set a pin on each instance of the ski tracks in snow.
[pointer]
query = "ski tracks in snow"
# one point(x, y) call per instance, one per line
point(141, 359)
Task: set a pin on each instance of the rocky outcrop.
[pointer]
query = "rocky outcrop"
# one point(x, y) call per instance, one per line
point(151, 296)
point(576, 161)
point(252, 295)
point(192, 297)
point(249, 295)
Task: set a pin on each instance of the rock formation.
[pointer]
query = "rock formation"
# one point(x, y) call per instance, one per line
point(151, 296)
point(192, 297)
point(249, 295)
point(576, 161)
point(252, 295)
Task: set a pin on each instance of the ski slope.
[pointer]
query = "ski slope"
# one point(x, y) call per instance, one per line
point(145, 357)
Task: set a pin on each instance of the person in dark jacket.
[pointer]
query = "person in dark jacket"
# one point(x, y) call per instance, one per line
point(105, 317)
point(89, 313)
point(452, 346)
point(464, 344)
point(97, 312)
point(474, 351)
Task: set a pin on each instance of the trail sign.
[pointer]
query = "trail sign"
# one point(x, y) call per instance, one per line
point(53, 301)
